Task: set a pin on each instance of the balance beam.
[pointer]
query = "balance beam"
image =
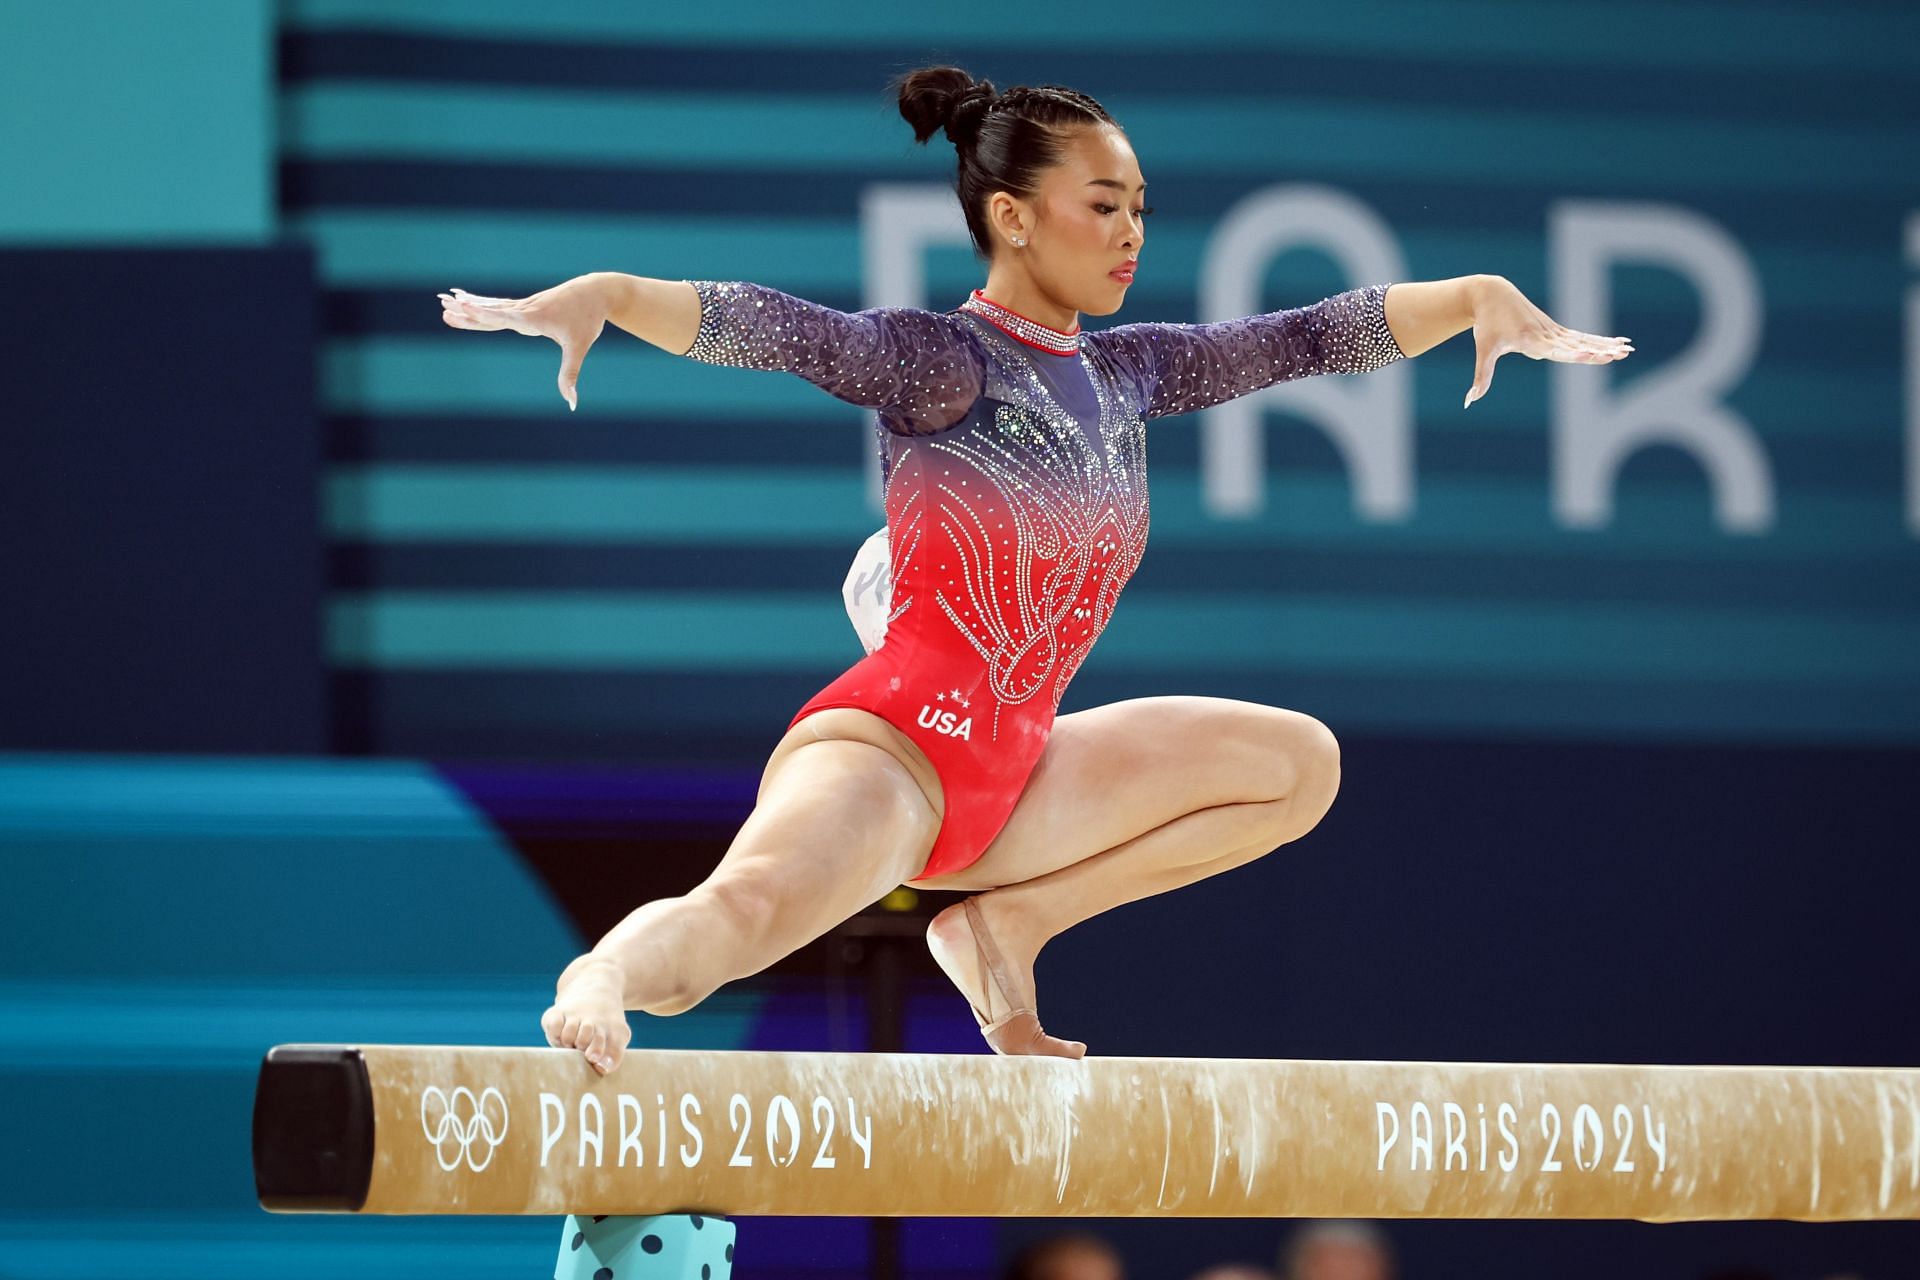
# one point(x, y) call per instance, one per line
point(409, 1129)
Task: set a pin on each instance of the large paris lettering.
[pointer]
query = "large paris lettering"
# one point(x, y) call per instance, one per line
point(1596, 420)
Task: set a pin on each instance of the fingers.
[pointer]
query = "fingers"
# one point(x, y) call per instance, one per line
point(1572, 345)
point(570, 360)
point(1482, 376)
point(467, 315)
point(464, 310)
point(1582, 355)
point(573, 350)
point(1567, 347)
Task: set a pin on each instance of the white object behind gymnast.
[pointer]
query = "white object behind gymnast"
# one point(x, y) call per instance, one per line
point(868, 590)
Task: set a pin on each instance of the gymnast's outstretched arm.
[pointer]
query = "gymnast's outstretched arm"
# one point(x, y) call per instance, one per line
point(1178, 368)
point(920, 369)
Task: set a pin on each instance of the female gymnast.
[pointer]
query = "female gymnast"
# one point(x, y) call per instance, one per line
point(1014, 447)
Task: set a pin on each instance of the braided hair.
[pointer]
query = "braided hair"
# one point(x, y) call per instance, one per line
point(1004, 140)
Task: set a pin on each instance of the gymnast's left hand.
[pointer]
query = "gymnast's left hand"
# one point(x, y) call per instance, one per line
point(1504, 321)
point(573, 313)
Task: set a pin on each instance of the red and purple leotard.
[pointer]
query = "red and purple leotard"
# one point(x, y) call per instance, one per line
point(1016, 494)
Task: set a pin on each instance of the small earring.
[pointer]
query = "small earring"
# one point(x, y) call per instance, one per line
point(1019, 242)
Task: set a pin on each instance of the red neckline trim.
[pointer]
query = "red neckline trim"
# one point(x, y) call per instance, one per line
point(1072, 333)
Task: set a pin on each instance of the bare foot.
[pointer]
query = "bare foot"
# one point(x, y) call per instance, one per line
point(1010, 1013)
point(588, 1012)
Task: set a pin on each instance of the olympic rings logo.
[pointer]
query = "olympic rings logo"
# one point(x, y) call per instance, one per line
point(466, 1122)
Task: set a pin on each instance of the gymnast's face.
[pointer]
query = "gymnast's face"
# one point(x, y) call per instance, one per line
point(1087, 218)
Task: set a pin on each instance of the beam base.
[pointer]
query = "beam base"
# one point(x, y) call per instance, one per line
point(669, 1246)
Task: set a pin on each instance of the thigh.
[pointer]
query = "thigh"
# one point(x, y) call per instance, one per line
point(839, 821)
point(1111, 773)
point(852, 724)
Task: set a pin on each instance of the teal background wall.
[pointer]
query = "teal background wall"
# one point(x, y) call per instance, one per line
point(1724, 183)
point(137, 120)
point(165, 920)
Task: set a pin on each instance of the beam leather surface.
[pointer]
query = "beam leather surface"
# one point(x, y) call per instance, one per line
point(536, 1131)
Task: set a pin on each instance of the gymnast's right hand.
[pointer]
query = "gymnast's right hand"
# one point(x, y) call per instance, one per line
point(572, 313)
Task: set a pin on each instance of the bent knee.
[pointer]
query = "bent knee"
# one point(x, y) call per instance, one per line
point(1304, 764)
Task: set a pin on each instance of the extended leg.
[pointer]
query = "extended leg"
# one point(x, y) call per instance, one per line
point(838, 824)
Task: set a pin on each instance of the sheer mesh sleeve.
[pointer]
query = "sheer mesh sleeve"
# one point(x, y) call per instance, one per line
point(1182, 367)
point(920, 369)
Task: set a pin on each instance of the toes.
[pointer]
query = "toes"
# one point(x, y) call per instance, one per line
point(551, 1022)
point(603, 1045)
point(1063, 1048)
point(617, 1040)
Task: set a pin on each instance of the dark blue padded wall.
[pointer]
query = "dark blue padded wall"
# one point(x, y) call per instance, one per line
point(164, 560)
point(1509, 901)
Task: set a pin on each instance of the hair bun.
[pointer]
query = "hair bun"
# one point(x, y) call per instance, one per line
point(935, 98)
point(968, 109)
point(1027, 136)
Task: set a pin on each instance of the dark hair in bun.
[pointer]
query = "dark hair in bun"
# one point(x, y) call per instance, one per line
point(1005, 140)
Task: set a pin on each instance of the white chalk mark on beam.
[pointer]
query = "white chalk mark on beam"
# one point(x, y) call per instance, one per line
point(1166, 1159)
point(1251, 1143)
point(1213, 1176)
point(1913, 1126)
point(1883, 1108)
point(1064, 1166)
point(1813, 1200)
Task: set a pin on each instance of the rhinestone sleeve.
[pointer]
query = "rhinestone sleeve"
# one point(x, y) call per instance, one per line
point(1179, 368)
point(920, 369)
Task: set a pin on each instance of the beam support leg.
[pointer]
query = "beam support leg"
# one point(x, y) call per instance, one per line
point(668, 1246)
